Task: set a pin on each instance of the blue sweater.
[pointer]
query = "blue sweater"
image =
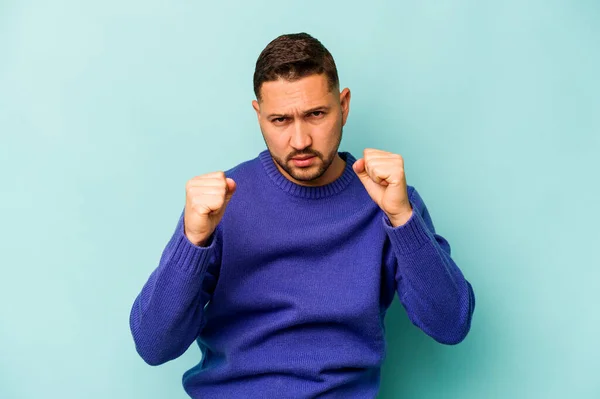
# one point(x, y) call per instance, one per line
point(288, 297)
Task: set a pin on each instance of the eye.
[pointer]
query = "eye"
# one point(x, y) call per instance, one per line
point(316, 113)
point(281, 119)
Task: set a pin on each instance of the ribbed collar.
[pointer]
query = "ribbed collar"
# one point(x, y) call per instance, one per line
point(304, 191)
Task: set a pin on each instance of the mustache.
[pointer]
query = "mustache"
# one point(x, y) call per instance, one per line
point(305, 152)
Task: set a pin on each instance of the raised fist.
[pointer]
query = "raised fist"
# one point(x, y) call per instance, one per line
point(206, 198)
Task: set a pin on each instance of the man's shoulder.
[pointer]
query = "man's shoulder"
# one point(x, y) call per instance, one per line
point(243, 168)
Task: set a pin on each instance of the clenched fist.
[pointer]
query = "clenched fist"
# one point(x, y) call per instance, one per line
point(206, 198)
point(382, 174)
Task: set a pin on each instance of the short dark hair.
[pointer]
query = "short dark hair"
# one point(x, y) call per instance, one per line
point(292, 57)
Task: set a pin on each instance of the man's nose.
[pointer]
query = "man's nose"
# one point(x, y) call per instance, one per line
point(300, 136)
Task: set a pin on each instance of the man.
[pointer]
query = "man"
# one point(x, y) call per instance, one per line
point(282, 268)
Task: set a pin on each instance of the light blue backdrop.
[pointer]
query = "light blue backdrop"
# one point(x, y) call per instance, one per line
point(107, 108)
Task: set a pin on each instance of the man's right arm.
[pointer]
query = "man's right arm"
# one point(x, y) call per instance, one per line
point(168, 313)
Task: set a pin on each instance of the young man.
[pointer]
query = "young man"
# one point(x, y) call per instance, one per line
point(282, 268)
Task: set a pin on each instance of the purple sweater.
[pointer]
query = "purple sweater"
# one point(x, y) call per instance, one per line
point(288, 297)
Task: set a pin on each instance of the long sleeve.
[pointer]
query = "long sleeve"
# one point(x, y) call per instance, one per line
point(431, 287)
point(168, 313)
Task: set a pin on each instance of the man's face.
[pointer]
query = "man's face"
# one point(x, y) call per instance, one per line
point(303, 119)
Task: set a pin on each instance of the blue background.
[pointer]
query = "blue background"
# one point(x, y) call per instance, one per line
point(108, 108)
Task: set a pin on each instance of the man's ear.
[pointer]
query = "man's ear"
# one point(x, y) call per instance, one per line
point(256, 108)
point(345, 104)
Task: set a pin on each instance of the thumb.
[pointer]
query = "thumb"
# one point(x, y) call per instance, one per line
point(231, 187)
point(359, 169)
point(373, 189)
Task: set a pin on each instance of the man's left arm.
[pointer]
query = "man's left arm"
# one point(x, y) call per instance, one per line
point(431, 287)
point(437, 297)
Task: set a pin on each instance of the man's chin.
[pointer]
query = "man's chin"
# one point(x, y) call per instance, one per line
point(303, 174)
point(306, 174)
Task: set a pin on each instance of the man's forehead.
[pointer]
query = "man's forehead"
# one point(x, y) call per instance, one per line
point(305, 93)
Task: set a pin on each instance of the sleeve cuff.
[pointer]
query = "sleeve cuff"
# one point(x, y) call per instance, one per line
point(188, 257)
point(410, 236)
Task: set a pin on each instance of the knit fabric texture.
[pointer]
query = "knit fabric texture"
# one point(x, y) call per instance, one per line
point(287, 299)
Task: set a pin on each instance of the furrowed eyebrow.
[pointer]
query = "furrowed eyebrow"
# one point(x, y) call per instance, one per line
point(278, 116)
point(321, 108)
